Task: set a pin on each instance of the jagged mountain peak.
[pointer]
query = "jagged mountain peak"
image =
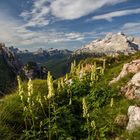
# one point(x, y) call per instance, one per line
point(112, 44)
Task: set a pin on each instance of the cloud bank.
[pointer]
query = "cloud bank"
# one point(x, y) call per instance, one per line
point(44, 12)
point(111, 15)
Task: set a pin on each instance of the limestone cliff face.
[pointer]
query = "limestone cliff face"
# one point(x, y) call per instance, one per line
point(9, 68)
point(10, 58)
point(112, 44)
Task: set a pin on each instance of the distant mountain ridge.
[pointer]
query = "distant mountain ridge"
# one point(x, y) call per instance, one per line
point(42, 52)
point(52, 51)
point(112, 44)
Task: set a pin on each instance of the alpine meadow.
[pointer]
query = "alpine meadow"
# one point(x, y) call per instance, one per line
point(69, 70)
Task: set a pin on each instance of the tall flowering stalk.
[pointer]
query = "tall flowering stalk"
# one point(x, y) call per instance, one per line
point(50, 86)
point(73, 66)
point(104, 63)
point(21, 94)
point(111, 102)
point(86, 115)
point(30, 92)
point(85, 108)
point(49, 97)
point(28, 106)
point(94, 76)
point(39, 100)
point(62, 82)
point(67, 77)
point(78, 70)
point(58, 85)
point(93, 127)
point(31, 105)
point(104, 66)
point(20, 89)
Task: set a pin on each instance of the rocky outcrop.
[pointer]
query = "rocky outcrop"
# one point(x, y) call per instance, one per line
point(132, 67)
point(32, 70)
point(112, 44)
point(132, 89)
point(134, 118)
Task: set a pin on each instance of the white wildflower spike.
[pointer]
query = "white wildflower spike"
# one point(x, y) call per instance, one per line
point(58, 85)
point(111, 102)
point(93, 73)
point(104, 63)
point(62, 82)
point(74, 63)
point(30, 87)
point(20, 88)
point(93, 125)
point(73, 66)
point(67, 77)
point(50, 86)
point(78, 69)
point(85, 108)
point(30, 91)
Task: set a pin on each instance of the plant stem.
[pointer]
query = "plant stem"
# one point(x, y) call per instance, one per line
point(49, 122)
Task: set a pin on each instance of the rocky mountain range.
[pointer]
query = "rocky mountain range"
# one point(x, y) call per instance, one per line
point(112, 44)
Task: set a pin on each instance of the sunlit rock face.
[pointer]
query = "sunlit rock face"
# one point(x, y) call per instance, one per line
point(132, 89)
point(132, 67)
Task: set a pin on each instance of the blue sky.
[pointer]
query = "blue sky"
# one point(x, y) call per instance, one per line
point(69, 24)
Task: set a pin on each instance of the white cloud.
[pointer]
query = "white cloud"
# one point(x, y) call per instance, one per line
point(38, 14)
point(73, 9)
point(110, 16)
point(131, 25)
point(131, 28)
